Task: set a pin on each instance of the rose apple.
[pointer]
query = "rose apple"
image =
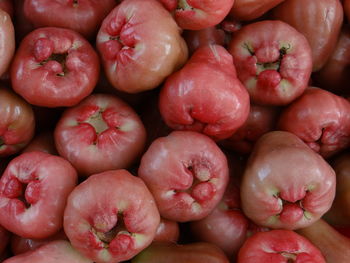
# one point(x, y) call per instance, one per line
point(82, 16)
point(286, 184)
point(167, 252)
point(7, 6)
point(54, 67)
point(226, 226)
point(273, 61)
point(279, 246)
point(140, 45)
point(339, 214)
point(319, 20)
point(205, 95)
point(33, 193)
point(4, 239)
point(42, 142)
point(321, 119)
point(187, 174)
point(334, 246)
point(17, 123)
point(7, 41)
point(100, 133)
point(21, 245)
point(246, 10)
point(204, 37)
point(54, 252)
point(111, 216)
point(334, 75)
point(261, 120)
point(346, 5)
point(167, 231)
point(22, 25)
point(198, 14)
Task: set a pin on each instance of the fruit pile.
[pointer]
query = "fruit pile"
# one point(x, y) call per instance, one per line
point(163, 131)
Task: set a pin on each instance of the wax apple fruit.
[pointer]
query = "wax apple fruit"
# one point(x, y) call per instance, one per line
point(101, 133)
point(205, 95)
point(167, 231)
point(4, 238)
point(319, 20)
point(246, 10)
point(334, 246)
point(286, 184)
point(339, 214)
point(261, 120)
point(187, 174)
point(17, 123)
point(140, 45)
point(54, 67)
point(198, 14)
point(111, 216)
point(279, 246)
point(273, 61)
point(33, 193)
point(54, 252)
point(7, 41)
point(83, 16)
point(321, 119)
point(166, 252)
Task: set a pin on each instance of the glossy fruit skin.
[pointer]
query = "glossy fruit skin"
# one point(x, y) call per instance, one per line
point(7, 6)
point(100, 133)
point(226, 226)
point(42, 142)
point(7, 41)
point(83, 16)
point(246, 10)
point(279, 246)
point(187, 174)
point(20, 245)
point(321, 119)
point(138, 48)
point(162, 252)
point(319, 21)
point(261, 120)
point(17, 123)
point(54, 252)
point(334, 74)
point(44, 182)
point(205, 95)
point(334, 246)
point(276, 193)
point(167, 231)
point(54, 67)
point(198, 14)
point(106, 223)
point(273, 61)
point(346, 6)
point(339, 214)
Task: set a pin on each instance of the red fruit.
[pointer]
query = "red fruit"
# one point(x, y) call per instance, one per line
point(111, 217)
point(33, 193)
point(198, 14)
point(279, 246)
point(7, 6)
point(7, 41)
point(321, 119)
point(246, 10)
point(261, 120)
point(140, 45)
point(54, 252)
point(54, 67)
point(318, 20)
point(166, 252)
point(187, 174)
point(273, 61)
point(205, 95)
point(17, 123)
point(4, 238)
point(167, 231)
point(42, 142)
point(346, 6)
point(82, 16)
point(334, 246)
point(286, 184)
point(101, 133)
